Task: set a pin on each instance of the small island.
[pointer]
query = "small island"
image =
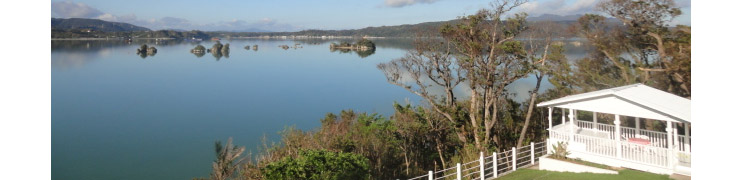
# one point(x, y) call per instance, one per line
point(361, 45)
point(198, 49)
point(145, 50)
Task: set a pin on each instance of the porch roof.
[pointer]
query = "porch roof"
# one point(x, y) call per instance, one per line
point(636, 100)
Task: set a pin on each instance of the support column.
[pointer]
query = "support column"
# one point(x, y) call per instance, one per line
point(549, 118)
point(687, 137)
point(596, 125)
point(575, 117)
point(637, 126)
point(562, 118)
point(617, 136)
point(676, 137)
point(670, 157)
point(571, 126)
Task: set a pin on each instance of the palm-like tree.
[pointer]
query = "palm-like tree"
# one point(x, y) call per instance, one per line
point(225, 165)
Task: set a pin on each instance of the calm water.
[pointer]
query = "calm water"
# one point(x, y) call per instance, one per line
point(117, 115)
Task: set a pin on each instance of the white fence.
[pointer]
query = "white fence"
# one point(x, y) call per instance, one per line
point(658, 139)
point(492, 166)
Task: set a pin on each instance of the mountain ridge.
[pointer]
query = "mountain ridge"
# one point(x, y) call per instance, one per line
point(95, 25)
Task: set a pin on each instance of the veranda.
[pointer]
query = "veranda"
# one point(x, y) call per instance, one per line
point(663, 152)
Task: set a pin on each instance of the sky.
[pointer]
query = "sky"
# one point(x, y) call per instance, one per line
point(291, 15)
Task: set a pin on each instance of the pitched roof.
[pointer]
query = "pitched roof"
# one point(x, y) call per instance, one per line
point(636, 100)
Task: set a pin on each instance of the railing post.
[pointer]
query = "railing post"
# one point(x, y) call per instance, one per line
point(637, 127)
point(571, 129)
point(458, 171)
point(429, 176)
point(494, 164)
point(617, 136)
point(532, 153)
point(514, 158)
point(481, 165)
point(596, 125)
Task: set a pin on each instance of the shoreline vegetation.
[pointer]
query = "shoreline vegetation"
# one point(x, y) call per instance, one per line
point(486, 53)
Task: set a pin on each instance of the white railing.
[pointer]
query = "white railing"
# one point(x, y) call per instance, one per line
point(492, 166)
point(599, 146)
point(650, 155)
point(657, 139)
point(559, 135)
point(643, 154)
point(585, 124)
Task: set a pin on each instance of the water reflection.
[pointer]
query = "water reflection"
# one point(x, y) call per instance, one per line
point(361, 54)
point(219, 54)
point(199, 54)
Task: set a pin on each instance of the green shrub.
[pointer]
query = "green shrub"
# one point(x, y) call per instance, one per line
point(319, 164)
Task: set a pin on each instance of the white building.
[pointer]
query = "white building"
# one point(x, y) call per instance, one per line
point(662, 150)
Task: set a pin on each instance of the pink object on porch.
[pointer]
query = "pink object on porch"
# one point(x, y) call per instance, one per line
point(639, 141)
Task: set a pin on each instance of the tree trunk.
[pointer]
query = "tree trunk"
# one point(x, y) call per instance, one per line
point(440, 152)
point(473, 116)
point(530, 109)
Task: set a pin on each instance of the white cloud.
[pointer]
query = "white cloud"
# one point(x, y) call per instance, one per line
point(559, 7)
point(69, 9)
point(402, 3)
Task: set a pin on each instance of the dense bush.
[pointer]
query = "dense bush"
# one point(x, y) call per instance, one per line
point(319, 164)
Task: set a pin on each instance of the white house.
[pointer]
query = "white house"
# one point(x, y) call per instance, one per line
point(663, 151)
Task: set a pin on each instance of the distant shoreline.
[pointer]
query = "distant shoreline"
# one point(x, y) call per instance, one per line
point(89, 39)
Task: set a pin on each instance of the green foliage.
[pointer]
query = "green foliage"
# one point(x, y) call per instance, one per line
point(225, 48)
point(319, 164)
point(200, 48)
point(366, 43)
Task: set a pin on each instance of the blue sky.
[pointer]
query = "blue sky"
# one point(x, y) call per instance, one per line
point(290, 15)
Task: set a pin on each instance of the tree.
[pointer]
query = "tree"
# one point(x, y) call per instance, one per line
point(491, 59)
point(227, 161)
point(539, 64)
point(480, 50)
point(643, 50)
point(319, 164)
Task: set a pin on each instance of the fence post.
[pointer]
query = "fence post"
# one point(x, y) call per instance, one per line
point(494, 164)
point(514, 158)
point(481, 165)
point(429, 176)
point(532, 153)
point(458, 171)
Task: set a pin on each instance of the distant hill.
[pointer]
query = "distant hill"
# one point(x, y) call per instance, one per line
point(563, 19)
point(406, 30)
point(552, 17)
point(94, 24)
point(252, 30)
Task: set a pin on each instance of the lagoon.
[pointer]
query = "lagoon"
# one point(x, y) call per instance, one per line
point(117, 115)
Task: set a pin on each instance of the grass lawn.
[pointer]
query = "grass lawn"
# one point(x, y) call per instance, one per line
point(541, 174)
